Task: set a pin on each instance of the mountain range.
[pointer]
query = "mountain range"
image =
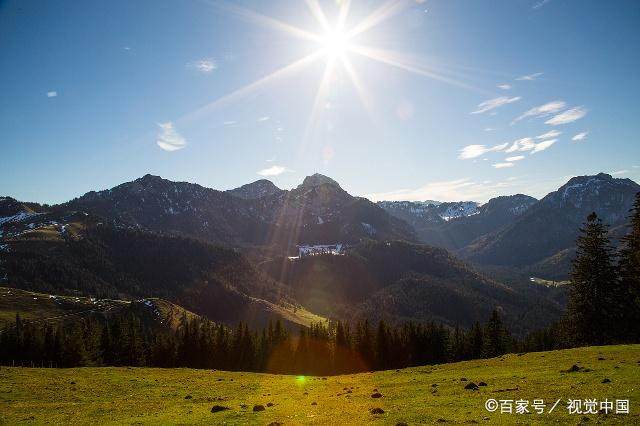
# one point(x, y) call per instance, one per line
point(231, 255)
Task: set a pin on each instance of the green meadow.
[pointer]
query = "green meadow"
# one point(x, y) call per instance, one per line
point(420, 395)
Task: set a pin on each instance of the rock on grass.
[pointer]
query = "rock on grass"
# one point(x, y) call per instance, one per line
point(471, 386)
point(218, 408)
point(258, 407)
point(376, 395)
point(376, 411)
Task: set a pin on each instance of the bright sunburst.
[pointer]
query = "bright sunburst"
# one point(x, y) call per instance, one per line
point(336, 44)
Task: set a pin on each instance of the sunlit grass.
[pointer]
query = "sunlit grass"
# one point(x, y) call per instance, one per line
point(419, 395)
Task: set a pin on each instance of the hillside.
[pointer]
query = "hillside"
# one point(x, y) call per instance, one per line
point(36, 307)
point(318, 210)
point(81, 256)
point(401, 281)
point(421, 395)
point(551, 226)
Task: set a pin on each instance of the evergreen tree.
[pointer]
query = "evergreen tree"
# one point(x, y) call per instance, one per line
point(629, 271)
point(495, 336)
point(592, 309)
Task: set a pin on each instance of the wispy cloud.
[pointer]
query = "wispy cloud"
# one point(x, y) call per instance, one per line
point(205, 66)
point(568, 116)
point(530, 77)
point(504, 86)
point(542, 110)
point(515, 158)
point(524, 144)
point(503, 165)
point(543, 145)
point(474, 151)
point(273, 171)
point(620, 172)
point(580, 137)
point(169, 139)
point(229, 123)
point(539, 4)
point(550, 134)
point(265, 118)
point(52, 94)
point(453, 190)
point(491, 104)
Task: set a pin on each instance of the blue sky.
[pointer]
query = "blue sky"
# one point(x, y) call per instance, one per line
point(98, 93)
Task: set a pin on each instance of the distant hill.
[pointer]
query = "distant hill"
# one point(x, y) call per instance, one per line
point(454, 225)
point(316, 211)
point(519, 231)
point(403, 281)
point(545, 234)
point(35, 307)
point(88, 257)
point(255, 190)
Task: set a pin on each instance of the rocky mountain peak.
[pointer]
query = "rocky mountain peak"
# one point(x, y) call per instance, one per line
point(255, 190)
point(317, 180)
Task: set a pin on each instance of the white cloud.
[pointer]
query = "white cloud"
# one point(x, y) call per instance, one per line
point(504, 86)
point(265, 118)
point(273, 171)
point(515, 158)
point(503, 165)
point(474, 151)
point(489, 129)
point(542, 110)
point(539, 4)
point(229, 123)
point(490, 104)
point(453, 190)
point(580, 137)
point(524, 144)
point(543, 145)
point(568, 116)
point(530, 77)
point(52, 94)
point(620, 172)
point(169, 139)
point(550, 134)
point(203, 65)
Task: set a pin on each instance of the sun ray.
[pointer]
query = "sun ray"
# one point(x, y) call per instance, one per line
point(343, 14)
point(395, 59)
point(379, 15)
point(363, 94)
point(251, 87)
point(321, 96)
point(318, 13)
point(263, 20)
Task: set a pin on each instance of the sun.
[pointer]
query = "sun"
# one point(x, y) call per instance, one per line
point(335, 43)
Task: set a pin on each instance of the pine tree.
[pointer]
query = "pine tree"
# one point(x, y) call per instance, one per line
point(629, 271)
point(495, 336)
point(592, 312)
point(476, 342)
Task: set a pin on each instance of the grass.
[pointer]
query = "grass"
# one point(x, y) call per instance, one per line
point(185, 396)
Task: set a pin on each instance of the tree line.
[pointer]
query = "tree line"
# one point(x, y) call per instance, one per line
point(320, 349)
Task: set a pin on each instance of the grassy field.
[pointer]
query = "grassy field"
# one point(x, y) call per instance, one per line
point(422, 395)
